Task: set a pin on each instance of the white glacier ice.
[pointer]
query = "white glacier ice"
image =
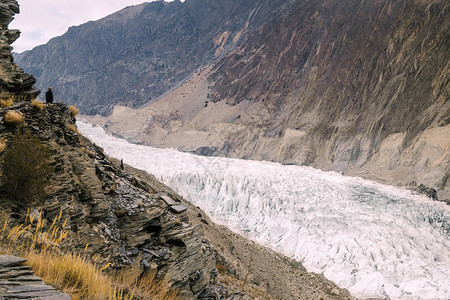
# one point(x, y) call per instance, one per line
point(375, 240)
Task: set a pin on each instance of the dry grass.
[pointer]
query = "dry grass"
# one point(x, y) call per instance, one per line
point(73, 110)
point(90, 153)
point(3, 142)
point(221, 268)
point(72, 273)
point(148, 288)
point(6, 103)
point(37, 105)
point(75, 275)
point(72, 128)
point(14, 118)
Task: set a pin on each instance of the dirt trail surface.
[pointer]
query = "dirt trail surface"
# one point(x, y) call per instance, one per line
point(245, 266)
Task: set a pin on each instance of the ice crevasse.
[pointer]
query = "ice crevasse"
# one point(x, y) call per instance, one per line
point(378, 241)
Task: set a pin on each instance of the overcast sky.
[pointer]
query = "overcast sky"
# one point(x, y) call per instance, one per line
point(41, 20)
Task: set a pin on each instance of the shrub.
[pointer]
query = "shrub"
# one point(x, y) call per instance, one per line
point(72, 128)
point(37, 105)
point(6, 103)
point(73, 110)
point(3, 142)
point(14, 118)
point(25, 167)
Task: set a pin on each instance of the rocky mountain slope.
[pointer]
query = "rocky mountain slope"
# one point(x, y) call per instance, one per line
point(118, 218)
point(355, 87)
point(131, 223)
point(13, 79)
point(139, 53)
point(136, 224)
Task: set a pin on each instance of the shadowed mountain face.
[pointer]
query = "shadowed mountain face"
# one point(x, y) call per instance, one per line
point(363, 70)
point(378, 66)
point(349, 85)
point(139, 53)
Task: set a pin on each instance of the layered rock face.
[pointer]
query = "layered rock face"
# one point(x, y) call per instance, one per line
point(135, 55)
point(355, 87)
point(350, 85)
point(119, 219)
point(126, 220)
point(12, 78)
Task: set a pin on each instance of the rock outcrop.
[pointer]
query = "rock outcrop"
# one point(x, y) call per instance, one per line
point(119, 219)
point(247, 270)
point(12, 78)
point(18, 282)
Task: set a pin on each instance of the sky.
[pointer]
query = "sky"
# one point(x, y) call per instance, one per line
point(41, 20)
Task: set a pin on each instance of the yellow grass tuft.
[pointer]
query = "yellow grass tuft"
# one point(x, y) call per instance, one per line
point(6, 103)
point(37, 105)
point(75, 275)
point(90, 153)
point(72, 128)
point(14, 118)
point(69, 272)
point(3, 142)
point(73, 110)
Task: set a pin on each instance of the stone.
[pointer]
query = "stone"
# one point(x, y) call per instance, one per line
point(168, 200)
point(15, 273)
point(145, 264)
point(178, 208)
point(30, 288)
point(18, 282)
point(164, 253)
point(427, 191)
point(42, 295)
point(9, 260)
point(107, 231)
point(26, 278)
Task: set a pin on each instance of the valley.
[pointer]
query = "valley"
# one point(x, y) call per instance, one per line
point(315, 133)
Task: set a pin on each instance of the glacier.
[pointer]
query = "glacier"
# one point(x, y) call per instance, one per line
point(375, 240)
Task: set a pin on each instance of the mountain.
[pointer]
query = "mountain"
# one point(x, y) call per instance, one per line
point(355, 87)
point(350, 86)
point(123, 220)
point(137, 54)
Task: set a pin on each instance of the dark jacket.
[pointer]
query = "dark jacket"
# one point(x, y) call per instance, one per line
point(49, 96)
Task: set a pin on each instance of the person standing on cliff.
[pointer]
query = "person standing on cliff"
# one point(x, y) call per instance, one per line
point(49, 96)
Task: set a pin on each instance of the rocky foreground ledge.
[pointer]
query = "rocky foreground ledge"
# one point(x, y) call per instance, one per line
point(18, 282)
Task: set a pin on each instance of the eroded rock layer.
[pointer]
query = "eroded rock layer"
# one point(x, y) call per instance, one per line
point(12, 78)
point(119, 219)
